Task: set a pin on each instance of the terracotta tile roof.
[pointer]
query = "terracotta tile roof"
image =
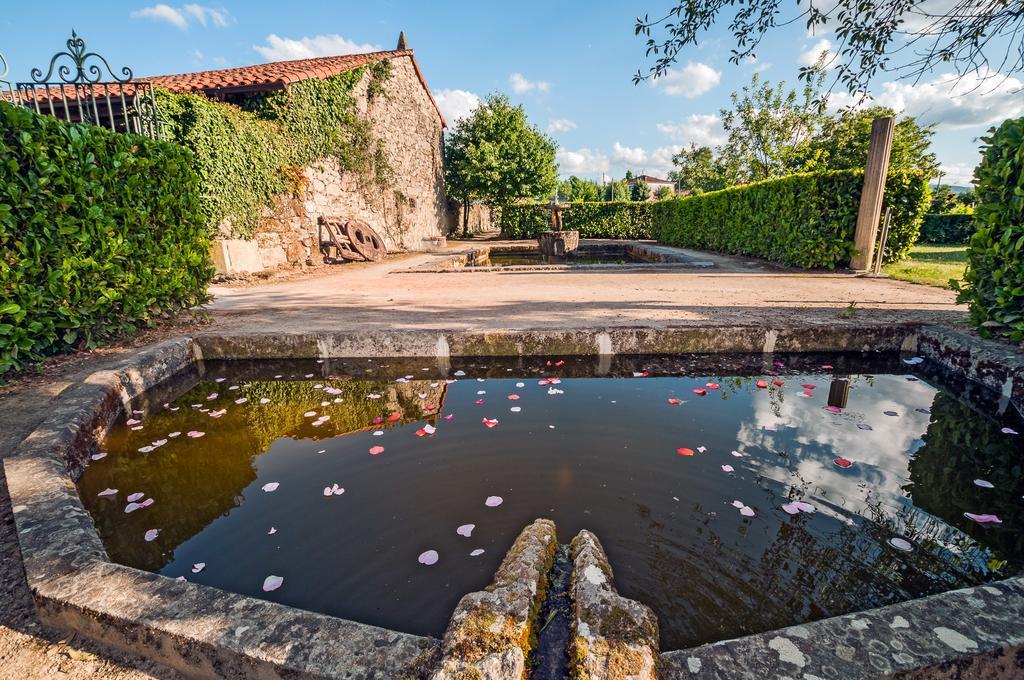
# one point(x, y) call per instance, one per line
point(273, 76)
point(279, 74)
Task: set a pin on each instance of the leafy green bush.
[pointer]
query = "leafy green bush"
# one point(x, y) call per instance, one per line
point(994, 280)
point(804, 220)
point(947, 228)
point(247, 154)
point(613, 219)
point(98, 232)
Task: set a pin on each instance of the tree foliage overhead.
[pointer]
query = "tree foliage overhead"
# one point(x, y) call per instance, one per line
point(496, 156)
point(906, 37)
point(577, 189)
point(773, 131)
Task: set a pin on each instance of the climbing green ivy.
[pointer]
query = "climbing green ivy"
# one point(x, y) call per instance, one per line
point(254, 149)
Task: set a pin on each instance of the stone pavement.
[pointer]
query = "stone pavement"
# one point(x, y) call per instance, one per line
point(376, 296)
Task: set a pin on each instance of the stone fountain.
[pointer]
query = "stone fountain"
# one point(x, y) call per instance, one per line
point(555, 242)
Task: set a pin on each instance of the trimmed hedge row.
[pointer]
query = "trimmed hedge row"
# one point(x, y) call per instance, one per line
point(98, 232)
point(610, 219)
point(947, 228)
point(994, 280)
point(804, 220)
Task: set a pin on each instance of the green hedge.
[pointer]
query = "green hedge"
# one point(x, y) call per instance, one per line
point(98, 232)
point(950, 228)
point(611, 219)
point(994, 280)
point(804, 220)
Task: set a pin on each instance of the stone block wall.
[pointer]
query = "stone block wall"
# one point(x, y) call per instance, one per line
point(413, 208)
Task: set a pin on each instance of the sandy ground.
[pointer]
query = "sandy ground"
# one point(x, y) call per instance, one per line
point(381, 296)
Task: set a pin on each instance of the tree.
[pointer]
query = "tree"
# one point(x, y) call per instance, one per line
point(907, 37)
point(639, 190)
point(577, 189)
point(616, 191)
point(495, 155)
point(664, 192)
point(768, 125)
point(700, 169)
point(842, 143)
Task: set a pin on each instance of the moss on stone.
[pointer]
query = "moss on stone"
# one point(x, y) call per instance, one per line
point(578, 652)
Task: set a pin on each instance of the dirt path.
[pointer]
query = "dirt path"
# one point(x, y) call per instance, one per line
point(380, 297)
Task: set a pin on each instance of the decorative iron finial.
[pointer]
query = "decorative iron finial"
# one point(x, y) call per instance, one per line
point(78, 71)
point(402, 43)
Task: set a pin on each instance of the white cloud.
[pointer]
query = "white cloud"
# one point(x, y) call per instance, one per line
point(456, 104)
point(204, 15)
point(521, 85)
point(181, 17)
point(582, 162)
point(692, 80)
point(810, 56)
point(561, 125)
point(702, 129)
point(657, 162)
point(281, 49)
point(950, 102)
point(960, 174)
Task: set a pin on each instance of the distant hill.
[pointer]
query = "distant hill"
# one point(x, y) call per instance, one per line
point(956, 188)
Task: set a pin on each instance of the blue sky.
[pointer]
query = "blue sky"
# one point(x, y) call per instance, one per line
point(569, 63)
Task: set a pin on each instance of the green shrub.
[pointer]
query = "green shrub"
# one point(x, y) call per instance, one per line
point(98, 232)
point(247, 154)
point(613, 219)
point(951, 228)
point(804, 220)
point(994, 280)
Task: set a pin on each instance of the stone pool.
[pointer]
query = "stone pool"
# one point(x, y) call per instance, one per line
point(733, 494)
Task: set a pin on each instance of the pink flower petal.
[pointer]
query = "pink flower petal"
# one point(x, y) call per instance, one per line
point(107, 492)
point(983, 519)
point(901, 544)
point(151, 535)
point(727, 468)
point(790, 508)
point(449, 416)
point(198, 567)
point(494, 501)
point(272, 583)
point(98, 456)
point(270, 486)
point(984, 484)
point(490, 422)
point(711, 385)
point(843, 463)
point(135, 496)
point(477, 552)
point(1009, 430)
point(466, 530)
point(700, 391)
point(131, 507)
point(376, 450)
point(803, 506)
point(428, 558)
point(195, 434)
point(833, 409)
point(738, 504)
point(675, 402)
point(763, 384)
point(747, 511)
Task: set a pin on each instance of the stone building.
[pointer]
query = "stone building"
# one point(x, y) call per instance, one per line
point(406, 120)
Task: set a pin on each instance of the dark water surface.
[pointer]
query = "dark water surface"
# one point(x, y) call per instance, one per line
point(524, 256)
point(599, 453)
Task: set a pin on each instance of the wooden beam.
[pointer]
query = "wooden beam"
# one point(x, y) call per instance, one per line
point(879, 147)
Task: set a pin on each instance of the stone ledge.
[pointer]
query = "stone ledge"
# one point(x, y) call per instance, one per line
point(974, 632)
point(492, 631)
point(614, 638)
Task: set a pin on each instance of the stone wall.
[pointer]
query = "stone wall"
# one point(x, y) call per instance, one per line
point(413, 208)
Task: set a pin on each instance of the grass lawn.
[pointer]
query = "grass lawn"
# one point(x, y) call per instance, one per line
point(930, 265)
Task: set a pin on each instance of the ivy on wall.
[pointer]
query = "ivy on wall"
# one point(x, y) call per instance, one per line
point(249, 151)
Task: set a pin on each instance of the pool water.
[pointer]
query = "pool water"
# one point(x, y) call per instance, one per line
point(532, 256)
point(693, 494)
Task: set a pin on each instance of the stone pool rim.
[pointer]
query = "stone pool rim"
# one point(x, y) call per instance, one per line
point(204, 631)
point(656, 256)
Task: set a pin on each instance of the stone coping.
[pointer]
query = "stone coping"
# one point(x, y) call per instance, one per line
point(203, 631)
point(654, 256)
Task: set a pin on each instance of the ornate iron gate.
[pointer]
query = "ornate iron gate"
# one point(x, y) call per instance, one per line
point(80, 94)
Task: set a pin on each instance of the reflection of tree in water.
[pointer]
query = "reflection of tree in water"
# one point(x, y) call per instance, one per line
point(195, 481)
point(959, 447)
point(706, 585)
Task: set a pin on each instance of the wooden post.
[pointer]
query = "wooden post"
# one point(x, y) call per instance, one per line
point(875, 171)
